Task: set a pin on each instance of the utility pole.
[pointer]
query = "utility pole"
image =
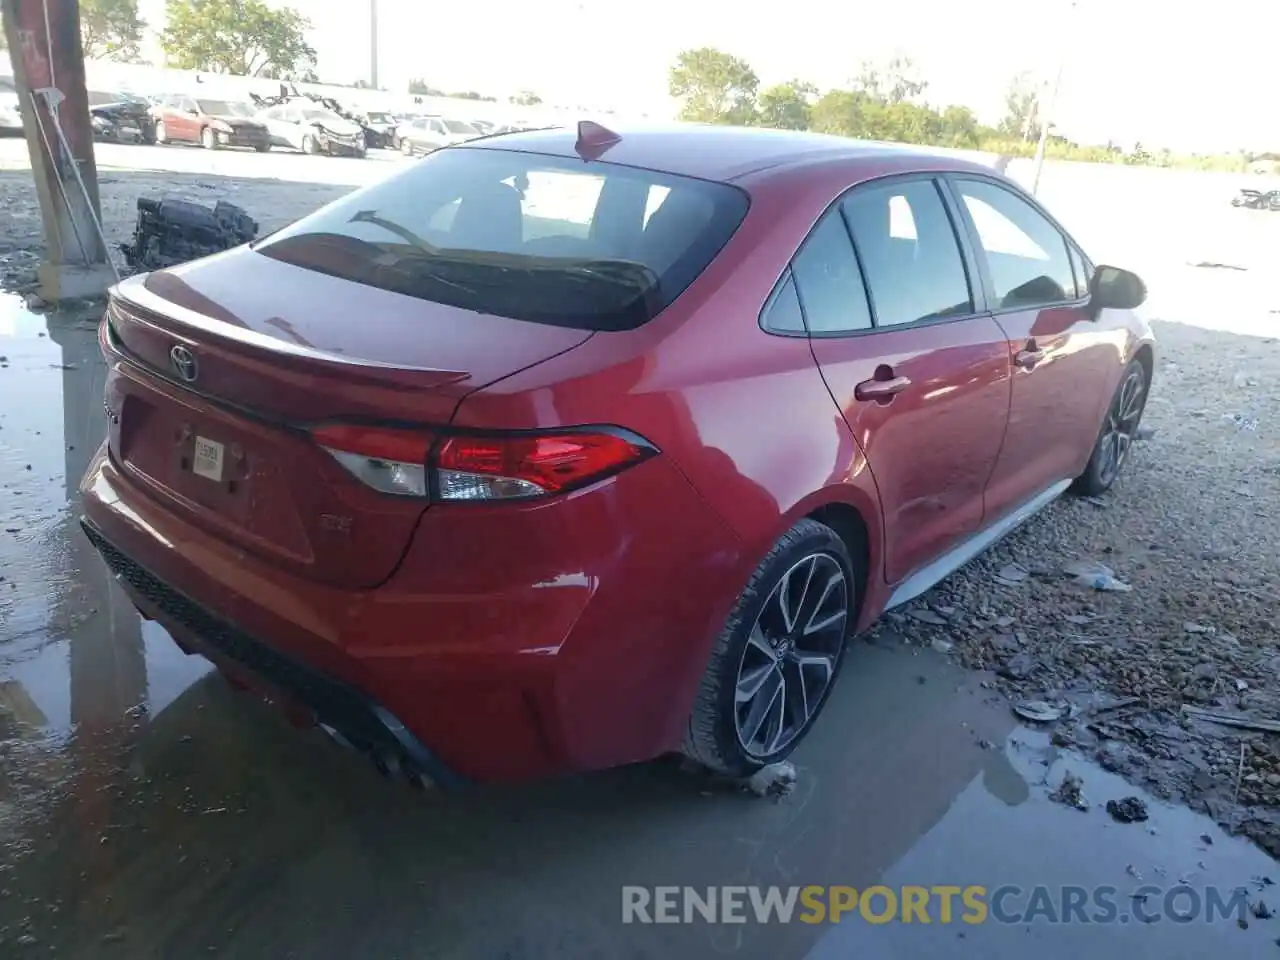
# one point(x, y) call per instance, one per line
point(48, 69)
point(1046, 121)
point(373, 44)
point(1045, 116)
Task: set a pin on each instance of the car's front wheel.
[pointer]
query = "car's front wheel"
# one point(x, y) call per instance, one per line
point(406, 147)
point(208, 139)
point(309, 145)
point(162, 135)
point(778, 656)
point(1118, 433)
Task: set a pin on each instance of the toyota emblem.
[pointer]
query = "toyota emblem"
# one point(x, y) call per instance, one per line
point(184, 362)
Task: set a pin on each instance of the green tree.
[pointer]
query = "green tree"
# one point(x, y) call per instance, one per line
point(1021, 109)
point(526, 98)
point(243, 37)
point(786, 106)
point(842, 112)
point(714, 87)
point(960, 128)
point(111, 30)
point(895, 80)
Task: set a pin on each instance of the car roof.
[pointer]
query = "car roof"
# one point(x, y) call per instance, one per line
point(723, 153)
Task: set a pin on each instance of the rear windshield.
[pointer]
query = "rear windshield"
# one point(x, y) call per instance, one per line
point(588, 245)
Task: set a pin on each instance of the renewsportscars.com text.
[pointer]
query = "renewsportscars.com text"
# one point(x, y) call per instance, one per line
point(934, 904)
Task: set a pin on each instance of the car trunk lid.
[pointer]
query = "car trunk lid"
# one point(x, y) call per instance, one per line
point(231, 358)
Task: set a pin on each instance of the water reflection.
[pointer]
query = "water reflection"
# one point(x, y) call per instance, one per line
point(71, 645)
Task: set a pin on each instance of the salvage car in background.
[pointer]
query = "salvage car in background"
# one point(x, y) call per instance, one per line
point(425, 134)
point(553, 451)
point(380, 130)
point(211, 123)
point(121, 118)
point(311, 129)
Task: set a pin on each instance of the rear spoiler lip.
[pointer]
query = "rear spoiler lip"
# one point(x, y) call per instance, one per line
point(132, 291)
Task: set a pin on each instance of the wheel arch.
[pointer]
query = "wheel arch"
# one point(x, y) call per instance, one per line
point(852, 510)
point(1146, 355)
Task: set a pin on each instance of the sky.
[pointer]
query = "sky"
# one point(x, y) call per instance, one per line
point(1188, 77)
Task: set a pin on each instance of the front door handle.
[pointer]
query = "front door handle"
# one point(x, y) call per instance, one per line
point(881, 390)
point(1028, 357)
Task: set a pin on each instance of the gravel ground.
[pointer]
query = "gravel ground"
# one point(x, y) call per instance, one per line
point(1191, 526)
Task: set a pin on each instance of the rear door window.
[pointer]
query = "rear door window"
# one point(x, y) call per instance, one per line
point(910, 255)
point(1026, 254)
point(587, 245)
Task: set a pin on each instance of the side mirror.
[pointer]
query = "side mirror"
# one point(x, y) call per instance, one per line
point(193, 111)
point(1112, 288)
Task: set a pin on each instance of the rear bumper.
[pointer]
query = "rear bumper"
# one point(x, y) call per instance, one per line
point(361, 721)
point(510, 644)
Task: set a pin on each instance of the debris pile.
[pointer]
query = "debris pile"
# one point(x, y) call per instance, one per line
point(175, 231)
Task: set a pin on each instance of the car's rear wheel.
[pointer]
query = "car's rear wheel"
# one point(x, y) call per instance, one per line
point(778, 656)
point(162, 135)
point(1118, 433)
point(263, 147)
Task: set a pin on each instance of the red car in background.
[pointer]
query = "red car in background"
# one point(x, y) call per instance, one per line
point(562, 450)
point(210, 123)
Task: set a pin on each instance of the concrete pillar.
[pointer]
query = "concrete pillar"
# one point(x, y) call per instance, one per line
point(44, 44)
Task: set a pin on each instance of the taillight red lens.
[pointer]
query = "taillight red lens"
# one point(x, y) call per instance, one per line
point(539, 463)
point(492, 467)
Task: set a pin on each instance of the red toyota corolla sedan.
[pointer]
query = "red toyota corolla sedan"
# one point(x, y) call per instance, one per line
point(566, 449)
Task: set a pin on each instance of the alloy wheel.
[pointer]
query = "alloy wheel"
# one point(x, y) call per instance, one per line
point(791, 654)
point(1121, 426)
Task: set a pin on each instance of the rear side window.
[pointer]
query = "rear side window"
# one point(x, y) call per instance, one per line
point(909, 252)
point(1026, 254)
point(592, 246)
point(782, 313)
point(827, 278)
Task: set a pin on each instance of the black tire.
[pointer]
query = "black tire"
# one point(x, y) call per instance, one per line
point(207, 139)
point(1101, 473)
point(263, 147)
point(714, 738)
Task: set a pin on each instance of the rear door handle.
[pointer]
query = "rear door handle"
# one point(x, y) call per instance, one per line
point(1028, 357)
point(882, 390)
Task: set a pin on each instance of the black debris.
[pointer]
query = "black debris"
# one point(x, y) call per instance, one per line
point(175, 231)
point(1128, 810)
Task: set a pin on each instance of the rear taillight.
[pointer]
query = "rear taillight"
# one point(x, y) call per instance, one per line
point(480, 467)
